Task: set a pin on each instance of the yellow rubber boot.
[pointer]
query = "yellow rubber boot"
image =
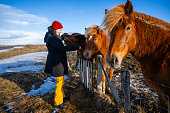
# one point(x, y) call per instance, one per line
point(59, 92)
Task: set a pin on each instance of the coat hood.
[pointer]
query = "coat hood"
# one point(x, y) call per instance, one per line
point(50, 32)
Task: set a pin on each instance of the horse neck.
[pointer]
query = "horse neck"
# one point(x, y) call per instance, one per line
point(105, 44)
point(153, 40)
point(150, 36)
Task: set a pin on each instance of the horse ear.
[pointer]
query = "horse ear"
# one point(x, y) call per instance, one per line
point(97, 28)
point(128, 7)
point(106, 11)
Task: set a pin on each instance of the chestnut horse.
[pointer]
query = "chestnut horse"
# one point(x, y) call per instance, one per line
point(97, 44)
point(147, 39)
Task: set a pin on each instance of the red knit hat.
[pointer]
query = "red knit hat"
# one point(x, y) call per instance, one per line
point(56, 25)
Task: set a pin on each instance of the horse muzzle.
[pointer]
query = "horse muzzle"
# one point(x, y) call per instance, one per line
point(87, 54)
point(114, 61)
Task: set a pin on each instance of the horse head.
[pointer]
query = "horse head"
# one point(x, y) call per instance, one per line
point(94, 41)
point(66, 38)
point(121, 28)
point(75, 39)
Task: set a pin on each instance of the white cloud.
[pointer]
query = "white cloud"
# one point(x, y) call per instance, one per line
point(19, 33)
point(17, 22)
point(12, 16)
point(18, 27)
point(20, 37)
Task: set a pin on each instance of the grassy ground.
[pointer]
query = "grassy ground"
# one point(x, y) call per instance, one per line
point(15, 85)
point(13, 94)
point(13, 88)
point(19, 51)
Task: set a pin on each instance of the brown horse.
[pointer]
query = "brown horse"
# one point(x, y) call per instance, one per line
point(147, 39)
point(97, 44)
point(75, 39)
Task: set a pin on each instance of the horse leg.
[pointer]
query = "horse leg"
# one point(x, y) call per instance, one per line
point(164, 103)
point(111, 70)
point(163, 94)
point(95, 69)
point(103, 75)
point(164, 97)
point(103, 81)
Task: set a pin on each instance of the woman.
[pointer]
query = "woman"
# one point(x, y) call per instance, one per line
point(56, 63)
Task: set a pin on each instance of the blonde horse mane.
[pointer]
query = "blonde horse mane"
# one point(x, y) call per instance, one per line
point(113, 16)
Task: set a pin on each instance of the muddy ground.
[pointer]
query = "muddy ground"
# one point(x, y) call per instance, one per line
point(15, 85)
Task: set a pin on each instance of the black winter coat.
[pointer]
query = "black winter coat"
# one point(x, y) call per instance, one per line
point(56, 63)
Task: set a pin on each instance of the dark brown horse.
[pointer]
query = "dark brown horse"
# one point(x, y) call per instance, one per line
point(147, 39)
point(75, 39)
point(97, 44)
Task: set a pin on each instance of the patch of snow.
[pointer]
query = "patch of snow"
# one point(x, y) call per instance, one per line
point(48, 86)
point(5, 50)
point(10, 103)
point(29, 62)
point(18, 91)
point(137, 84)
point(20, 95)
point(9, 108)
point(25, 62)
point(33, 86)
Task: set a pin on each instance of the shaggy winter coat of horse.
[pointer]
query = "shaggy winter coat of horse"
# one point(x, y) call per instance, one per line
point(147, 39)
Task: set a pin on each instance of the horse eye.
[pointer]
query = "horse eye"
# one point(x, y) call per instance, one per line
point(127, 28)
point(95, 39)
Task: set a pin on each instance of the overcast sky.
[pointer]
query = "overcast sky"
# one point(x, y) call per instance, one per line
point(28, 19)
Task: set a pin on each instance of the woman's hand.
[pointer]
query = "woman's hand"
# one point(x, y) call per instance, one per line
point(79, 47)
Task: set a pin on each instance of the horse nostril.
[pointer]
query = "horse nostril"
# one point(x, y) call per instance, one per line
point(87, 54)
point(115, 60)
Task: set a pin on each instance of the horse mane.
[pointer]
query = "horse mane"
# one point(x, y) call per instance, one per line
point(151, 20)
point(113, 16)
